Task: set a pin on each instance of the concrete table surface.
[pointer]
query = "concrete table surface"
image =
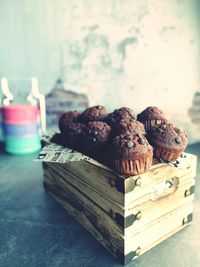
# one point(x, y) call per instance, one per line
point(36, 231)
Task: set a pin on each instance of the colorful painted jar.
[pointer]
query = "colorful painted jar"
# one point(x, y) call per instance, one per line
point(20, 128)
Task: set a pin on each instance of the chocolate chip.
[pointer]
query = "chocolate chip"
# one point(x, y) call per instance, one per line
point(183, 156)
point(177, 130)
point(130, 144)
point(160, 130)
point(127, 117)
point(178, 140)
point(141, 141)
point(163, 126)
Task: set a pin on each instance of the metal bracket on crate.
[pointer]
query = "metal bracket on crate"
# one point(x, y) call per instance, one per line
point(125, 221)
point(125, 186)
point(187, 219)
point(119, 184)
point(189, 191)
point(132, 183)
point(125, 259)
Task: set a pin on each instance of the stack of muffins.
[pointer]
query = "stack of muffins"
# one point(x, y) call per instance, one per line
point(119, 139)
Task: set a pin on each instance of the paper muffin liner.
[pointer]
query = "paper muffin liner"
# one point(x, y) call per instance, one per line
point(133, 167)
point(150, 123)
point(167, 154)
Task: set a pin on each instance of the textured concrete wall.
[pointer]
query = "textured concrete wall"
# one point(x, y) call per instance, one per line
point(120, 52)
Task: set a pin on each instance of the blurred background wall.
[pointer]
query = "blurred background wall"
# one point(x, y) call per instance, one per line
point(120, 52)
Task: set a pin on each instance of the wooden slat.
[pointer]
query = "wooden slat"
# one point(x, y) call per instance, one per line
point(157, 229)
point(153, 210)
point(67, 188)
point(92, 192)
point(85, 190)
point(90, 221)
point(150, 235)
point(100, 183)
point(157, 174)
point(96, 177)
point(150, 210)
point(135, 197)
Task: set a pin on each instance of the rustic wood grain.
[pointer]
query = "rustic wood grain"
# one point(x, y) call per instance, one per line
point(85, 190)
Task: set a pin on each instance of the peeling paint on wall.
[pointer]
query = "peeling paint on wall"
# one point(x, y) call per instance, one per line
point(133, 53)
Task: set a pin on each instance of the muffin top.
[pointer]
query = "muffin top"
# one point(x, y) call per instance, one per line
point(119, 114)
point(96, 113)
point(131, 146)
point(96, 134)
point(74, 134)
point(168, 135)
point(75, 128)
point(128, 126)
point(67, 118)
point(151, 113)
point(98, 130)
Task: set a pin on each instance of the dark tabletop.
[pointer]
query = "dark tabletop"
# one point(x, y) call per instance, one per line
point(36, 231)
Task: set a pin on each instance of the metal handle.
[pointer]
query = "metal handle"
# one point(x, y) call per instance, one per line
point(7, 95)
point(34, 98)
point(41, 98)
point(164, 189)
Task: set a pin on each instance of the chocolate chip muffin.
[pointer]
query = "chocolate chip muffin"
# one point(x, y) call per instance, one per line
point(128, 126)
point(74, 134)
point(118, 114)
point(152, 116)
point(96, 113)
point(67, 118)
point(96, 136)
point(168, 141)
point(132, 154)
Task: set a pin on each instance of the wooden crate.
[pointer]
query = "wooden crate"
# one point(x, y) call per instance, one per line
point(127, 215)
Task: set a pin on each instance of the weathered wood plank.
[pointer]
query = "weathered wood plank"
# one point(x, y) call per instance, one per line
point(103, 201)
point(151, 235)
point(92, 193)
point(150, 210)
point(95, 177)
point(142, 194)
point(86, 203)
point(157, 174)
point(82, 218)
point(157, 229)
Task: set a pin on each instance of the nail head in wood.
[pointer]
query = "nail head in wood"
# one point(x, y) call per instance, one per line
point(185, 221)
point(112, 182)
point(138, 216)
point(138, 182)
point(187, 193)
point(112, 214)
point(138, 251)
